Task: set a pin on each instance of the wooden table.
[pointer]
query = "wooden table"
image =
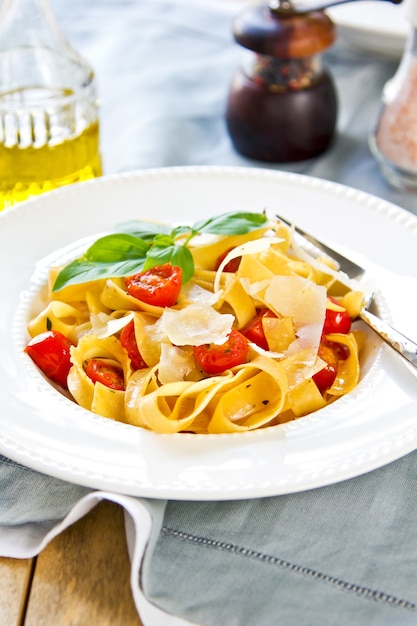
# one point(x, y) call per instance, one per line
point(81, 578)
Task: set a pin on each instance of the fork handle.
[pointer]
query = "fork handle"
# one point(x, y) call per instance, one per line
point(399, 342)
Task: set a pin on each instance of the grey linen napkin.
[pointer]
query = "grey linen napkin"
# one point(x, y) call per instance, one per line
point(27, 496)
point(344, 554)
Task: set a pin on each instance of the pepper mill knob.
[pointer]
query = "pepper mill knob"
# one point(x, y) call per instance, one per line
point(277, 30)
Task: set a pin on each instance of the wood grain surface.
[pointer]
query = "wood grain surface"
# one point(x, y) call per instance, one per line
point(80, 579)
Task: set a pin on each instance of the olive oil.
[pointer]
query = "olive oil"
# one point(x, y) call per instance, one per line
point(31, 170)
point(49, 129)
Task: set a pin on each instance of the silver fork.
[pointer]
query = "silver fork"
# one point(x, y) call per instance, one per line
point(396, 340)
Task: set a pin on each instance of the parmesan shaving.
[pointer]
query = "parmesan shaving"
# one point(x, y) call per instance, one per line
point(250, 247)
point(196, 325)
point(175, 363)
point(269, 353)
point(305, 302)
point(104, 326)
point(195, 293)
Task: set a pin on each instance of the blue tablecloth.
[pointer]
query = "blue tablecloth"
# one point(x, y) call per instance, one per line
point(340, 554)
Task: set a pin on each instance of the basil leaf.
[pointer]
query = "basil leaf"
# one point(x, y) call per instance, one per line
point(182, 230)
point(109, 256)
point(83, 271)
point(162, 241)
point(144, 230)
point(119, 247)
point(234, 223)
point(174, 254)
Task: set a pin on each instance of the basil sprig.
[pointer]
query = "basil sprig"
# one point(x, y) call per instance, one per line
point(138, 246)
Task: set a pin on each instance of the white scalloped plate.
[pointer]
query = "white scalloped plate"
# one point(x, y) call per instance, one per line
point(370, 427)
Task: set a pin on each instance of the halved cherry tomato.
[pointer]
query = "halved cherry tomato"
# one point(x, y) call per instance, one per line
point(232, 266)
point(341, 351)
point(336, 321)
point(215, 359)
point(51, 353)
point(254, 329)
point(325, 378)
point(159, 286)
point(128, 341)
point(101, 372)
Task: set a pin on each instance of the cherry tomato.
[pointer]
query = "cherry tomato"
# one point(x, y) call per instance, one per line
point(159, 286)
point(215, 359)
point(336, 321)
point(232, 266)
point(51, 353)
point(101, 372)
point(324, 379)
point(341, 351)
point(128, 341)
point(254, 330)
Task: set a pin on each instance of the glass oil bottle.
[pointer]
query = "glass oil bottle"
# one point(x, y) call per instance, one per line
point(49, 128)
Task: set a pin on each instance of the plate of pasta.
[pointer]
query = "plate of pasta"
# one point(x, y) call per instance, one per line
point(165, 335)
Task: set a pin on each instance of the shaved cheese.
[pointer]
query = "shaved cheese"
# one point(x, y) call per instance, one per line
point(298, 297)
point(250, 247)
point(255, 290)
point(308, 335)
point(305, 302)
point(196, 325)
point(301, 366)
point(149, 338)
point(269, 353)
point(193, 292)
point(105, 326)
point(175, 363)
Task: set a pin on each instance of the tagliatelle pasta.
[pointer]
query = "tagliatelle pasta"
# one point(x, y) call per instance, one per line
point(276, 304)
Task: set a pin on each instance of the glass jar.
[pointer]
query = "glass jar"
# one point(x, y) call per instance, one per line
point(282, 105)
point(49, 129)
point(393, 140)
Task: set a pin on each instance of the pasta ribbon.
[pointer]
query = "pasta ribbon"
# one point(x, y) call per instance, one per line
point(247, 397)
point(256, 395)
point(95, 396)
point(348, 369)
point(240, 302)
point(60, 316)
point(169, 408)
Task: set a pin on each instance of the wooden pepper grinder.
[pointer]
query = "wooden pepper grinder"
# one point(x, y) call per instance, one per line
point(282, 105)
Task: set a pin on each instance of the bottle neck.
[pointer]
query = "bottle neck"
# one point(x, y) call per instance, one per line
point(406, 71)
point(31, 23)
point(34, 53)
point(412, 41)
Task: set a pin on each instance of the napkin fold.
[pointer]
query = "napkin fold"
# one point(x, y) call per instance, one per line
point(343, 554)
point(35, 508)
